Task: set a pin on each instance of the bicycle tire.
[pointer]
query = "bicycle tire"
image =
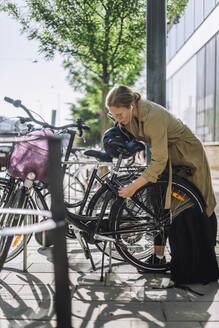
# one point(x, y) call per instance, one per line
point(15, 247)
point(143, 223)
point(6, 198)
point(93, 209)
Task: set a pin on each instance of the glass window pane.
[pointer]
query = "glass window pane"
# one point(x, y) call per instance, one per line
point(183, 90)
point(200, 93)
point(180, 33)
point(217, 93)
point(189, 19)
point(210, 90)
point(169, 94)
point(168, 48)
point(199, 12)
point(172, 41)
point(208, 6)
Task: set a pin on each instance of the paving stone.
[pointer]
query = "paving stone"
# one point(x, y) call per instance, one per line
point(124, 298)
point(25, 323)
point(182, 325)
point(149, 312)
point(120, 323)
point(37, 292)
point(18, 308)
point(214, 324)
point(41, 267)
point(210, 292)
point(191, 311)
point(8, 291)
point(103, 293)
point(20, 277)
point(166, 295)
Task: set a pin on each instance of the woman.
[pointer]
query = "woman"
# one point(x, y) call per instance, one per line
point(169, 139)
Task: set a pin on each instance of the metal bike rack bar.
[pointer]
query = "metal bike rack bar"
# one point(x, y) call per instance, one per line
point(62, 290)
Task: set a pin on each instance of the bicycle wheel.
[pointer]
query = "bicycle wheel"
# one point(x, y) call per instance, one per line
point(9, 220)
point(75, 185)
point(138, 222)
point(73, 188)
point(94, 208)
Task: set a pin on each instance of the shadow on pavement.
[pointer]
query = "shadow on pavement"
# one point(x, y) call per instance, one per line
point(26, 302)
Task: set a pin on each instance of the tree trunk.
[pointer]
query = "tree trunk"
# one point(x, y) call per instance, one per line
point(105, 123)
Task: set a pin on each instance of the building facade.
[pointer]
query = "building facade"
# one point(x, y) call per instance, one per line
point(193, 70)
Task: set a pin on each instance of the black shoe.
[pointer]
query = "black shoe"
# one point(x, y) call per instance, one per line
point(153, 259)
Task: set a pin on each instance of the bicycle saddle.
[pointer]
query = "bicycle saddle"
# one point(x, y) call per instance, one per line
point(101, 155)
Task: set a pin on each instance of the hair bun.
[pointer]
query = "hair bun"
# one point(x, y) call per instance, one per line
point(137, 96)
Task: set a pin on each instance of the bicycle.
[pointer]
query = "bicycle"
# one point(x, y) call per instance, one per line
point(132, 225)
point(39, 196)
point(17, 190)
point(62, 295)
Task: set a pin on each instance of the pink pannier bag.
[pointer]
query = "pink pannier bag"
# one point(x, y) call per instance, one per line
point(30, 156)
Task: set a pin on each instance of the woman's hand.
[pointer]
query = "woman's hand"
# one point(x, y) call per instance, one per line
point(129, 191)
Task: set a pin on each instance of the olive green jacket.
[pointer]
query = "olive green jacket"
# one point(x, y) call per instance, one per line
point(170, 138)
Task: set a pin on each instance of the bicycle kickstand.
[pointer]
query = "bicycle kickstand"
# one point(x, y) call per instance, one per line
point(102, 262)
point(89, 256)
point(85, 248)
point(109, 274)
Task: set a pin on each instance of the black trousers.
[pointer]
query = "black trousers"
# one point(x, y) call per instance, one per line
point(160, 239)
point(192, 239)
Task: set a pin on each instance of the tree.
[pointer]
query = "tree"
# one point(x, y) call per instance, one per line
point(102, 41)
point(107, 37)
point(88, 109)
point(175, 8)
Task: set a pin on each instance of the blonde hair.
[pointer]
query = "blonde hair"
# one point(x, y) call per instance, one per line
point(122, 96)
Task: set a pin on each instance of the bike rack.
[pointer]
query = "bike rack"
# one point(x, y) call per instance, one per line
point(62, 294)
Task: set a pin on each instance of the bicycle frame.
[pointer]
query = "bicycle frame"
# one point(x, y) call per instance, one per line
point(94, 176)
point(79, 221)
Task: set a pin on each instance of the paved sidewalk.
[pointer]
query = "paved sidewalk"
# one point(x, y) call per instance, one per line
point(128, 299)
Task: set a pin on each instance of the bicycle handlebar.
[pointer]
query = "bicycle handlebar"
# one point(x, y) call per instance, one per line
point(78, 124)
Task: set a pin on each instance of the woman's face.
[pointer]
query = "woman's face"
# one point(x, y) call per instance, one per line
point(120, 114)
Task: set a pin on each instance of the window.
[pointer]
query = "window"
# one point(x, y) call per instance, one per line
point(169, 94)
point(217, 92)
point(210, 91)
point(172, 42)
point(182, 94)
point(189, 19)
point(168, 48)
point(208, 6)
point(199, 12)
point(180, 35)
point(200, 93)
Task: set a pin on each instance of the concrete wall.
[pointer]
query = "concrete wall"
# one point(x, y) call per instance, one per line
point(212, 151)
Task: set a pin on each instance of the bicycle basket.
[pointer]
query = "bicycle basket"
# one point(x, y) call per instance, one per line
point(30, 156)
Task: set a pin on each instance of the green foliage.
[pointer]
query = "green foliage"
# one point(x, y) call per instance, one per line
point(175, 9)
point(88, 109)
point(102, 43)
